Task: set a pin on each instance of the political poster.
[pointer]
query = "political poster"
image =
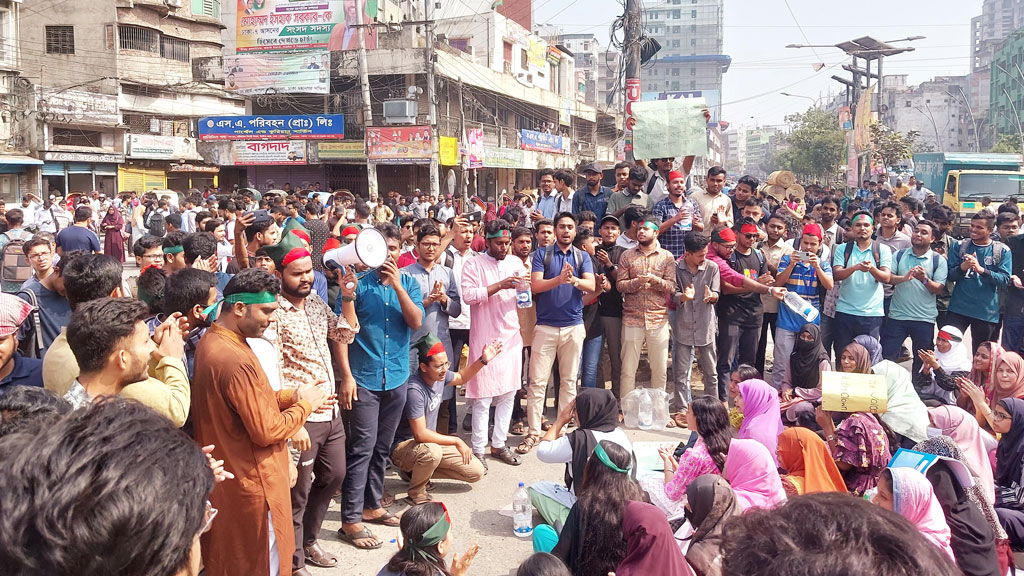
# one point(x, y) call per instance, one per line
point(302, 25)
point(293, 73)
point(669, 128)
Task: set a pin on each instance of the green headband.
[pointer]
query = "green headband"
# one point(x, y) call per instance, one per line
point(650, 225)
point(430, 538)
point(603, 457)
point(499, 234)
point(862, 217)
point(173, 249)
point(251, 298)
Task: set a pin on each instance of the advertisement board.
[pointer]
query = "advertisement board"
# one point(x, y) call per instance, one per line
point(77, 107)
point(448, 147)
point(503, 158)
point(267, 152)
point(544, 142)
point(156, 147)
point(304, 127)
point(399, 145)
point(301, 73)
point(300, 25)
point(476, 149)
point(341, 150)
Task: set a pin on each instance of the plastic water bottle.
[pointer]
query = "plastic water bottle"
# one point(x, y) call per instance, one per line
point(686, 224)
point(645, 414)
point(524, 298)
point(800, 306)
point(522, 513)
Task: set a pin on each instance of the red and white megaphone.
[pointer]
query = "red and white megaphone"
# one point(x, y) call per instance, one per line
point(369, 249)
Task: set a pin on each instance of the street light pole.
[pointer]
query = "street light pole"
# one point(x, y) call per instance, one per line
point(970, 111)
point(935, 129)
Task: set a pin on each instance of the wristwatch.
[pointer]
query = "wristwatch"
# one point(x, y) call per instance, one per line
point(482, 361)
point(575, 282)
point(830, 438)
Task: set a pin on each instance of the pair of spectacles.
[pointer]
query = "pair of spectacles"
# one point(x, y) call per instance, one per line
point(444, 365)
point(208, 517)
point(997, 415)
point(750, 236)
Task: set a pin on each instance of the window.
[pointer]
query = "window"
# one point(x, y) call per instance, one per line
point(174, 49)
point(67, 137)
point(5, 36)
point(693, 41)
point(693, 71)
point(693, 84)
point(693, 13)
point(138, 38)
point(460, 44)
point(209, 8)
point(909, 104)
point(675, 71)
point(524, 59)
point(60, 39)
point(675, 43)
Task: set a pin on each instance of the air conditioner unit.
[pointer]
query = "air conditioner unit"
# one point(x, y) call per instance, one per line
point(173, 3)
point(401, 111)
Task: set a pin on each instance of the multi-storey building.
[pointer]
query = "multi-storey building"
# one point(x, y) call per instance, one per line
point(936, 109)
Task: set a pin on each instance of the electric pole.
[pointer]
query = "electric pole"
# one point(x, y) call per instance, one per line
point(633, 31)
point(432, 103)
point(364, 84)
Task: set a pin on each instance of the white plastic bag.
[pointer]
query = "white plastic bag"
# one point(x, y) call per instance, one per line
point(631, 408)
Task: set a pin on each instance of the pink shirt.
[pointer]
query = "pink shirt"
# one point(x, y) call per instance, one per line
point(728, 273)
point(693, 463)
point(494, 318)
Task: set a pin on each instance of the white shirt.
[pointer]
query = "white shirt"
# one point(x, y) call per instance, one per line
point(625, 242)
point(559, 451)
point(919, 195)
point(460, 322)
point(445, 213)
point(563, 203)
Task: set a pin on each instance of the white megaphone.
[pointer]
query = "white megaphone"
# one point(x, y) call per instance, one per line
point(369, 249)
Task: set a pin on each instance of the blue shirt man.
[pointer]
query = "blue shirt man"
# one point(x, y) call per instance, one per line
point(593, 197)
point(979, 266)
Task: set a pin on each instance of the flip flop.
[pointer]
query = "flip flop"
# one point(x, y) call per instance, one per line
point(386, 519)
point(363, 534)
point(506, 456)
point(388, 499)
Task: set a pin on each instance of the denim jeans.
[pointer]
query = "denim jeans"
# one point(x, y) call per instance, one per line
point(849, 326)
point(590, 361)
point(1013, 333)
point(922, 337)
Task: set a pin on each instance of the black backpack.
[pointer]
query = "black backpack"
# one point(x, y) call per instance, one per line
point(156, 224)
point(14, 265)
point(577, 255)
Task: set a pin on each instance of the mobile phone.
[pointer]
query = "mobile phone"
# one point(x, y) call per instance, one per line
point(473, 216)
point(682, 447)
point(801, 256)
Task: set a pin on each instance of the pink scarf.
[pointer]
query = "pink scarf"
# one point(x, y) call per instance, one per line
point(762, 420)
point(913, 498)
point(964, 430)
point(753, 475)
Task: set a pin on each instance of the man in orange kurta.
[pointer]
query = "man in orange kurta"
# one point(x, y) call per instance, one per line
point(234, 408)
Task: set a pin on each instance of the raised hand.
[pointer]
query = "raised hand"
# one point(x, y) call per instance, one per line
point(708, 294)
point(689, 293)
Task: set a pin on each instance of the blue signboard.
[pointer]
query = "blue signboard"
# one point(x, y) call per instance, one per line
point(305, 127)
point(544, 142)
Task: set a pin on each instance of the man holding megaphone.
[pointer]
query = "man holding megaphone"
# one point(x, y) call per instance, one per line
point(389, 307)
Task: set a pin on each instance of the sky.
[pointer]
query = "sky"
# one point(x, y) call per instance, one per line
point(757, 32)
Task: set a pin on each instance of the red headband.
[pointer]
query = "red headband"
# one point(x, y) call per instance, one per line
point(749, 229)
point(727, 235)
point(436, 349)
point(675, 174)
point(302, 234)
point(813, 230)
point(331, 244)
point(947, 336)
point(147, 267)
point(350, 230)
point(293, 255)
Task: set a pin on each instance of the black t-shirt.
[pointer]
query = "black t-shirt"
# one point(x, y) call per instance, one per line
point(609, 303)
point(744, 309)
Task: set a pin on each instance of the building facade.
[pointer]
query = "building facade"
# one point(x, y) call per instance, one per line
point(936, 109)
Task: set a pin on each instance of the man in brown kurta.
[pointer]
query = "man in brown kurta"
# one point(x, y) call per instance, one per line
point(235, 409)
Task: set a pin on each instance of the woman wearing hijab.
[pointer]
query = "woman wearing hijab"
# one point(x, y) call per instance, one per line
point(752, 473)
point(860, 448)
point(1006, 381)
point(941, 367)
point(808, 463)
point(905, 414)
point(963, 429)
point(979, 543)
point(597, 413)
point(710, 502)
point(873, 347)
point(801, 384)
point(113, 228)
point(982, 372)
point(908, 493)
point(762, 420)
point(650, 545)
point(1008, 417)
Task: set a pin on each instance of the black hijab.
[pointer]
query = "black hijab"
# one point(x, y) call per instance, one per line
point(1010, 452)
point(805, 361)
point(973, 542)
point(712, 502)
point(596, 410)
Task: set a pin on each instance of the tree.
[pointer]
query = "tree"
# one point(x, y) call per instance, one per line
point(815, 147)
point(1007, 144)
point(890, 147)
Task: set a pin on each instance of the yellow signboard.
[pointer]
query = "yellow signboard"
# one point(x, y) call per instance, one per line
point(846, 392)
point(449, 151)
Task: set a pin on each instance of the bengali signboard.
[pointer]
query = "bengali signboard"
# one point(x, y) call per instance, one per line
point(155, 147)
point(448, 147)
point(300, 25)
point(267, 152)
point(341, 150)
point(77, 107)
point(399, 145)
point(475, 136)
point(305, 127)
point(712, 98)
point(669, 128)
point(544, 142)
point(302, 73)
point(503, 158)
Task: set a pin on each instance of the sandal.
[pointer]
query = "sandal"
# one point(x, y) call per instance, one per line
point(319, 557)
point(528, 444)
point(671, 424)
point(416, 501)
point(363, 534)
point(680, 418)
point(506, 456)
point(389, 499)
point(518, 428)
point(386, 519)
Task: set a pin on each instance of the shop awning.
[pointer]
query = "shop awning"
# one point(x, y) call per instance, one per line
point(19, 160)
